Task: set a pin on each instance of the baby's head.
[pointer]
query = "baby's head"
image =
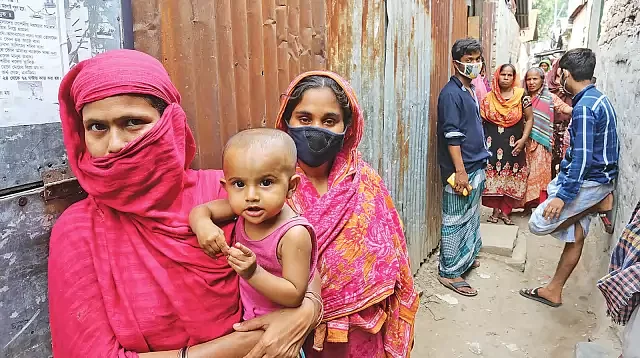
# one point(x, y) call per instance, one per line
point(259, 173)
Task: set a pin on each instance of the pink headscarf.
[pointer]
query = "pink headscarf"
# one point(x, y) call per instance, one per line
point(480, 88)
point(126, 274)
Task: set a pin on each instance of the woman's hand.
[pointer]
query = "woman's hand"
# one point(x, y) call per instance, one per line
point(519, 146)
point(284, 331)
point(561, 107)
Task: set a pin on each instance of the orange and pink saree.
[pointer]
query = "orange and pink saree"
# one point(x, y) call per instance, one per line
point(367, 287)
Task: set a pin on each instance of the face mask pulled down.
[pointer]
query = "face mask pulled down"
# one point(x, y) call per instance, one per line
point(316, 146)
point(470, 70)
point(563, 83)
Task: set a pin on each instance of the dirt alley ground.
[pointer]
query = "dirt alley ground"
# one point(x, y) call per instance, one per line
point(499, 322)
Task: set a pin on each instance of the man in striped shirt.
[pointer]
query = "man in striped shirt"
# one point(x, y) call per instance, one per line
point(585, 183)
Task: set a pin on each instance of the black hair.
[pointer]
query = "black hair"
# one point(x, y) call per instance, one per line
point(155, 102)
point(312, 82)
point(580, 62)
point(513, 68)
point(466, 46)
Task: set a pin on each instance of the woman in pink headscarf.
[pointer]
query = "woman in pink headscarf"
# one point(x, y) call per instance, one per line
point(126, 274)
point(370, 303)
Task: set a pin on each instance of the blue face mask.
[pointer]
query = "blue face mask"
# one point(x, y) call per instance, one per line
point(316, 146)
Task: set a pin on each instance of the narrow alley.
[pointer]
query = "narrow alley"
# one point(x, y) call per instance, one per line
point(499, 322)
point(373, 130)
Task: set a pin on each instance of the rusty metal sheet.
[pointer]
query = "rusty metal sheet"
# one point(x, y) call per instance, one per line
point(230, 59)
point(407, 92)
point(442, 40)
point(356, 42)
point(459, 18)
point(382, 48)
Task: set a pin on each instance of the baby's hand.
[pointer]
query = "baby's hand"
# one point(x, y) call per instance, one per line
point(211, 238)
point(242, 260)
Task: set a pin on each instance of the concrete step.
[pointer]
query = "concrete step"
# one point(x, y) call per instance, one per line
point(503, 240)
point(498, 239)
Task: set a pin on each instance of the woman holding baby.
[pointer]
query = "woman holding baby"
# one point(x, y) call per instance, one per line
point(127, 276)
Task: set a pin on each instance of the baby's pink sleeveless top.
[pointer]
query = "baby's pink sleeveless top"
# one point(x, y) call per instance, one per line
point(266, 250)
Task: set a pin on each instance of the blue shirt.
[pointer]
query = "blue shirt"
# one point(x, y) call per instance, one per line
point(594, 150)
point(459, 124)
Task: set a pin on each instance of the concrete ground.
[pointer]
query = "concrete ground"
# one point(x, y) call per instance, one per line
point(499, 322)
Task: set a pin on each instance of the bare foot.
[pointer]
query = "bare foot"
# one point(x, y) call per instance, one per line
point(606, 204)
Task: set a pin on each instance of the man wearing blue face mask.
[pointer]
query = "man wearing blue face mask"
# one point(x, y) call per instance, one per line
point(463, 157)
point(585, 183)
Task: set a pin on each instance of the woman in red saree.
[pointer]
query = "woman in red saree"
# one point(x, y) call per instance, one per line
point(126, 274)
point(367, 287)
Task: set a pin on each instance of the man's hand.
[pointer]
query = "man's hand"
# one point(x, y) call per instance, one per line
point(553, 209)
point(519, 146)
point(242, 260)
point(462, 182)
point(211, 238)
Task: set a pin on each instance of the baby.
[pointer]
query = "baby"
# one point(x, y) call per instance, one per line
point(275, 250)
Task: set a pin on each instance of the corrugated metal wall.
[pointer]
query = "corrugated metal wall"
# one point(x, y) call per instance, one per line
point(231, 59)
point(384, 49)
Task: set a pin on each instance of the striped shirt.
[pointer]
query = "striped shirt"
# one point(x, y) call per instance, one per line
point(594, 149)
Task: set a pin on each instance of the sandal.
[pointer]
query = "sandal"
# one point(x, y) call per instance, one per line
point(605, 217)
point(532, 294)
point(492, 219)
point(456, 286)
point(507, 220)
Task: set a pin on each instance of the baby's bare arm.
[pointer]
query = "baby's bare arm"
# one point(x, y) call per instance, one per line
point(289, 289)
point(202, 218)
point(217, 211)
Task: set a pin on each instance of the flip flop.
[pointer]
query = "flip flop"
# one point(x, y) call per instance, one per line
point(532, 294)
point(605, 216)
point(456, 286)
point(492, 219)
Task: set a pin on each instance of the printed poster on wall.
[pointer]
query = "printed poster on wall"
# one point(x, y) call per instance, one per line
point(31, 65)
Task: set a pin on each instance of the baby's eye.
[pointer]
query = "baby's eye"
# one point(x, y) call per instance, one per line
point(266, 182)
point(238, 184)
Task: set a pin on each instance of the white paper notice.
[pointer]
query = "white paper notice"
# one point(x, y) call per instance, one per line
point(30, 62)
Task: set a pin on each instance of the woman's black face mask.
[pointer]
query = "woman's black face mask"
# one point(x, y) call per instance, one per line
point(316, 146)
